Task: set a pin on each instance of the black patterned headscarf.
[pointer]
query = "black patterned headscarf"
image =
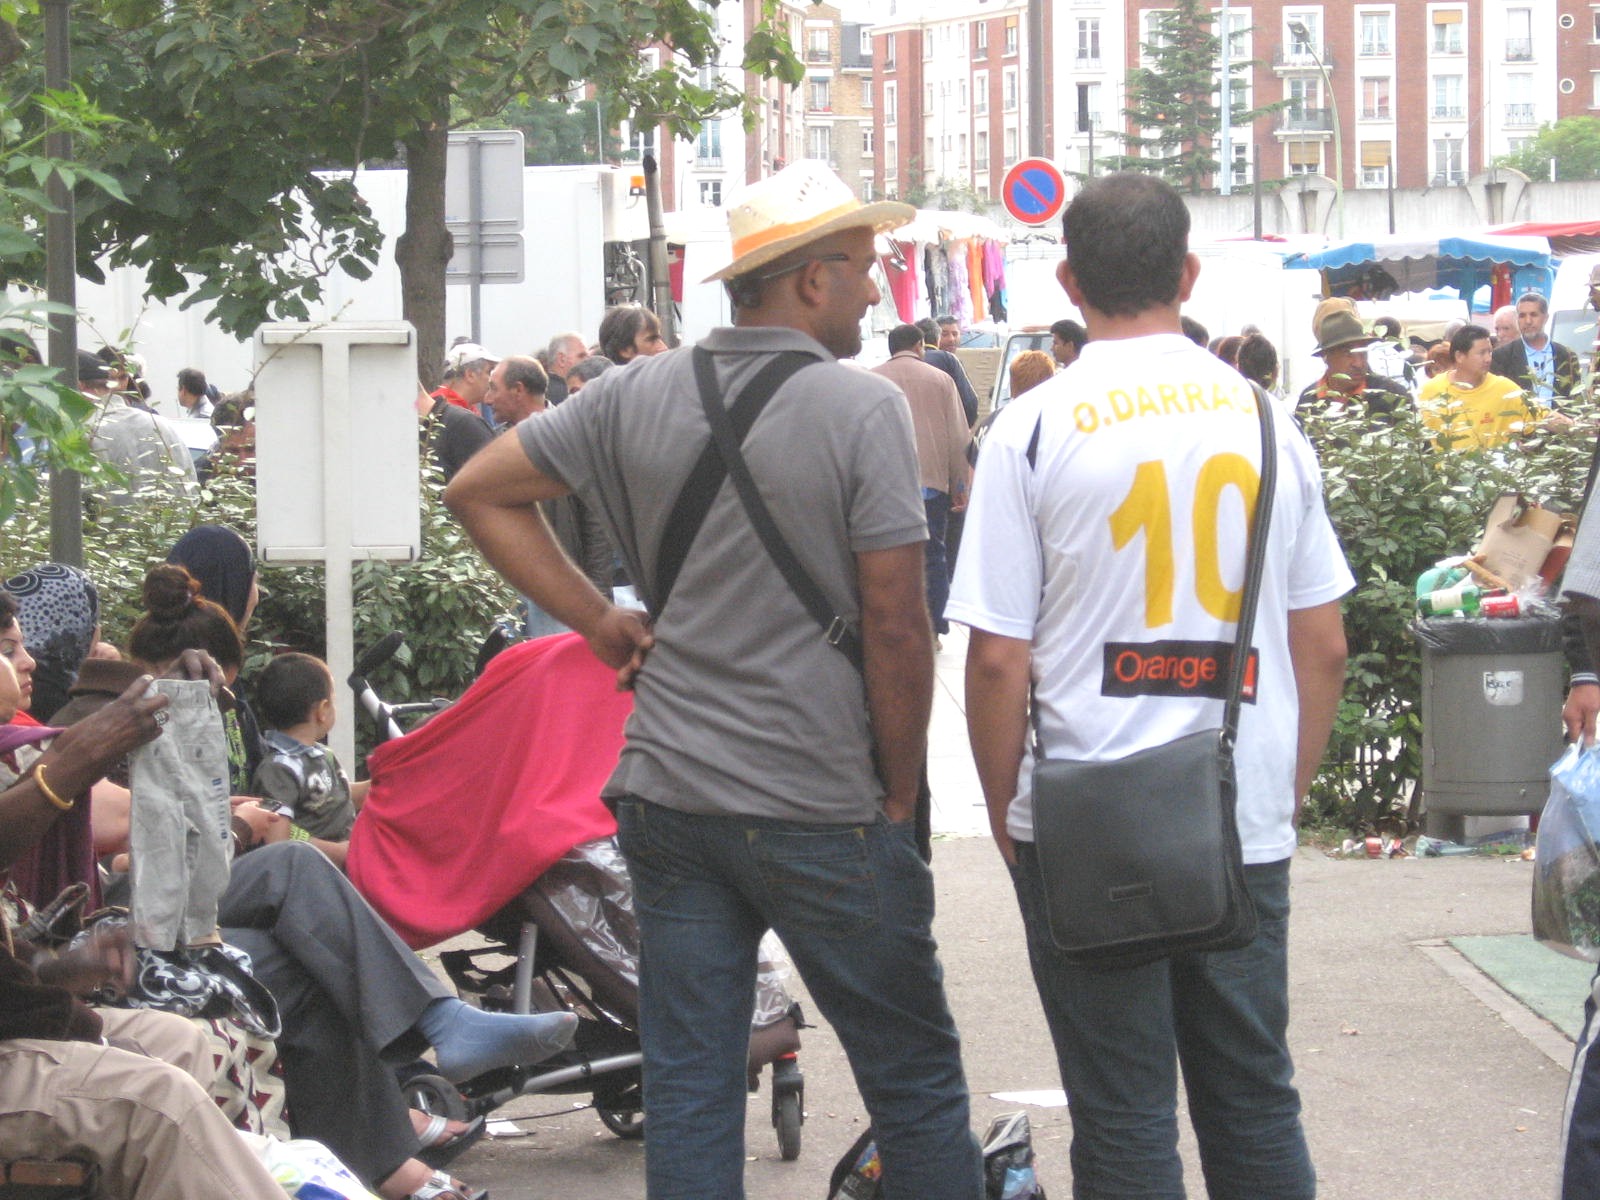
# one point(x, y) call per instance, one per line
point(59, 610)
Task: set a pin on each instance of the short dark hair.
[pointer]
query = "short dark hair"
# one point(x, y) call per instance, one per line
point(1127, 235)
point(178, 618)
point(1535, 298)
point(529, 373)
point(192, 380)
point(591, 367)
point(1258, 360)
point(9, 608)
point(904, 337)
point(1068, 330)
point(1463, 339)
point(1389, 326)
point(621, 325)
point(1194, 331)
point(947, 319)
point(290, 686)
point(929, 329)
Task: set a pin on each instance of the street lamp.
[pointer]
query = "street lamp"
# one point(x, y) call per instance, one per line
point(1303, 35)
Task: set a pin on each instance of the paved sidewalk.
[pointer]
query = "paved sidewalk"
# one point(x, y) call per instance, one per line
point(1421, 1076)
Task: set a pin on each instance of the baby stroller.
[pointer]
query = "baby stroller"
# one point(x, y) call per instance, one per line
point(494, 806)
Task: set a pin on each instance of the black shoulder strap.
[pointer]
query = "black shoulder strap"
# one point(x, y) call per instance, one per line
point(705, 479)
point(1033, 443)
point(835, 629)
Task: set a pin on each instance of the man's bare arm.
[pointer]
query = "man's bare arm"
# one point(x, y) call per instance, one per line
point(1317, 650)
point(495, 497)
point(998, 672)
point(897, 660)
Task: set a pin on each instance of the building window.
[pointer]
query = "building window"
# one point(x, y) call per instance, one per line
point(708, 147)
point(1305, 158)
point(1154, 37)
point(1238, 37)
point(1011, 146)
point(1448, 104)
point(819, 139)
point(1311, 44)
point(1375, 158)
point(1241, 164)
point(1305, 102)
point(980, 93)
point(866, 93)
point(1375, 99)
point(1447, 26)
point(1375, 28)
point(1447, 166)
point(927, 45)
point(888, 53)
point(1089, 42)
point(961, 152)
point(961, 95)
point(927, 99)
point(816, 45)
point(1519, 35)
point(1011, 36)
point(1594, 36)
point(821, 97)
point(1594, 90)
point(711, 193)
point(866, 42)
point(1519, 99)
point(980, 35)
point(891, 157)
point(1088, 107)
point(891, 111)
point(1009, 86)
point(867, 143)
point(980, 150)
point(868, 192)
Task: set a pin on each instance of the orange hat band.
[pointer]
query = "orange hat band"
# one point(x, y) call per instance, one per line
point(776, 233)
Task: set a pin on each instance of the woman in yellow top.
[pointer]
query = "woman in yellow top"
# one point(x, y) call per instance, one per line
point(1470, 408)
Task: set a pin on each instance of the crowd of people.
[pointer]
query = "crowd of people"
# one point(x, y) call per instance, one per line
point(789, 522)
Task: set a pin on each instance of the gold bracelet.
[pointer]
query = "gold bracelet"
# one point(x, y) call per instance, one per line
point(50, 792)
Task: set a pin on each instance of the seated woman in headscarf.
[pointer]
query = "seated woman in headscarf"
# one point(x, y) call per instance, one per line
point(60, 608)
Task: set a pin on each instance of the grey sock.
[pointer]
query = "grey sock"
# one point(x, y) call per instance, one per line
point(469, 1041)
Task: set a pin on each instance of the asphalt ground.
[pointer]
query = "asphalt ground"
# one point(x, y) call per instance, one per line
point(1426, 1029)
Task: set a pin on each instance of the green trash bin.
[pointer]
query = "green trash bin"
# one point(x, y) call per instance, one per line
point(1492, 690)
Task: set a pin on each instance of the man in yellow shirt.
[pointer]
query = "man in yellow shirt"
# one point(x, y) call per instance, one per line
point(1470, 408)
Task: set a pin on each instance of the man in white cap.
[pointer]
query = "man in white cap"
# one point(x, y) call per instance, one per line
point(466, 377)
point(771, 767)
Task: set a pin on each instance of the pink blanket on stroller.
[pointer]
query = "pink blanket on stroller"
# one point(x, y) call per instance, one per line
point(467, 811)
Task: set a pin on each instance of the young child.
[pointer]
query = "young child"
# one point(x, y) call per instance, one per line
point(300, 776)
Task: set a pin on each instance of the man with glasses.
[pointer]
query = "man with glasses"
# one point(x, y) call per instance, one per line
point(769, 778)
point(1533, 361)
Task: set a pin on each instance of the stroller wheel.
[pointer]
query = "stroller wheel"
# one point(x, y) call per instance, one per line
point(624, 1122)
point(786, 1115)
point(436, 1096)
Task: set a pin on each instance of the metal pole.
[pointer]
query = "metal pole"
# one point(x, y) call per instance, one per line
point(1389, 177)
point(1090, 171)
point(660, 278)
point(475, 184)
point(1036, 148)
point(1227, 106)
point(1255, 188)
point(1303, 34)
point(61, 287)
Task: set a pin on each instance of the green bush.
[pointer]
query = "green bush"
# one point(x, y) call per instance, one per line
point(445, 603)
point(1399, 506)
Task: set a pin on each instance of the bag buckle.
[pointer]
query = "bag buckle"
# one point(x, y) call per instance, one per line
point(836, 630)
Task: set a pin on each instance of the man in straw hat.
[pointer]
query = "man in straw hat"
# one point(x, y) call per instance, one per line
point(771, 766)
point(1342, 344)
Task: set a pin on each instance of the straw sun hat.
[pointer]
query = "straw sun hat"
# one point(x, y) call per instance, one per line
point(801, 204)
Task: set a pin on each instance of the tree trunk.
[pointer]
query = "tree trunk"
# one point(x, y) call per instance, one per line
point(424, 249)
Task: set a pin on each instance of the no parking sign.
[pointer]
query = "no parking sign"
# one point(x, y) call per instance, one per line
point(1034, 191)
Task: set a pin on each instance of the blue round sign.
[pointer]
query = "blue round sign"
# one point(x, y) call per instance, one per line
point(1034, 191)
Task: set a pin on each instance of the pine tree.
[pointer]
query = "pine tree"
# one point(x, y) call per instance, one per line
point(1173, 106)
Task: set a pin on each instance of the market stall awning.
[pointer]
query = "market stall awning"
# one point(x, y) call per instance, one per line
point(1565, 237)
point(1385, 266)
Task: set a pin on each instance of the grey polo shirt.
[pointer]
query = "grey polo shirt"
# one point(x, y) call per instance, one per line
point(1583, 565)
point(742, 707)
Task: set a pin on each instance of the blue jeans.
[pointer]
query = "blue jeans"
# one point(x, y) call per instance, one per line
point(1120, 1035)
point(937, 508)
point(1580, 1127)
point(853, 905)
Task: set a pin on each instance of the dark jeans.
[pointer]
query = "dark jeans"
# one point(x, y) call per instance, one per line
point(1121, 1034)
point(853, 905)
point(1580, 1127)
point(937, 506)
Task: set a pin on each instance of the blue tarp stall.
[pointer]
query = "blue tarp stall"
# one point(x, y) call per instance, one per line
point(1383, 267)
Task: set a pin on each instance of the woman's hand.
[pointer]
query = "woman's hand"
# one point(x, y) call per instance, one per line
point(265, 826)
point(83, 753)
point(107, 956)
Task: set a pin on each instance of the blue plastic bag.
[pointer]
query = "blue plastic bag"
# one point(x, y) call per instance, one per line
point(1566, 878)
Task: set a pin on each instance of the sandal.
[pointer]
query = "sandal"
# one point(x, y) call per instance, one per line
point(439, 1186)
point(439, 1146)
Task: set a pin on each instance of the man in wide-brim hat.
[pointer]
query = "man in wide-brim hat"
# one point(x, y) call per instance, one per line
point(770, 772)
point(1342, 345)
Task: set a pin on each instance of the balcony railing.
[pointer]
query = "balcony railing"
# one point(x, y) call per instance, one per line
point(1305, 120)
point(1519, 49)
point(1375, 50)
point(1088, 62)
point(815, 55)
point(1297, 56)
point(1519, 114)
point(1449, 112)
